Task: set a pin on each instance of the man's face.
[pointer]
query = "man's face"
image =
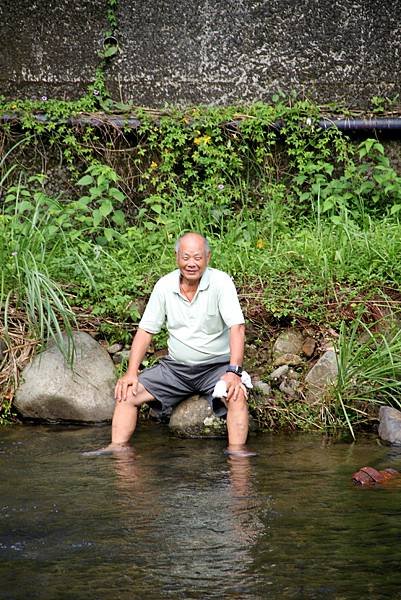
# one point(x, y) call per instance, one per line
point(192, 258)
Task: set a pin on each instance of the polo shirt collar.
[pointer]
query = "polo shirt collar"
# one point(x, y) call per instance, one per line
point(205, 280)
point(203, 284)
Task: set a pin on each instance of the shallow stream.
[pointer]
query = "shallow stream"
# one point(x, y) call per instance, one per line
point(177, 519)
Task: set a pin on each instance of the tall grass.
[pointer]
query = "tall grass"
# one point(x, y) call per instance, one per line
point(369, 367)
point(29, 251)
point(5, 170)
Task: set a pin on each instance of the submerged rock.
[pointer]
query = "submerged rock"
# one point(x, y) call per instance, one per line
point(194, 418)
point(370, 476)
point(52, 391)
point(390, 425)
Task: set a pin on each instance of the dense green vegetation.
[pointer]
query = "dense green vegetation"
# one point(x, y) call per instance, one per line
point(304, 219)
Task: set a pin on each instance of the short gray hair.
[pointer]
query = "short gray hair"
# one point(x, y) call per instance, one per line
point(178, 242)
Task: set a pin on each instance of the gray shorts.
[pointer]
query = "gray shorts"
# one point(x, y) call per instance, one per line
point(170, 382)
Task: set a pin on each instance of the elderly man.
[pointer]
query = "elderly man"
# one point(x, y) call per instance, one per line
point(206, 330)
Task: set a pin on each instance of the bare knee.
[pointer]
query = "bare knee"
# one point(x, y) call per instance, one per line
point(240, 405)
point(142, 395)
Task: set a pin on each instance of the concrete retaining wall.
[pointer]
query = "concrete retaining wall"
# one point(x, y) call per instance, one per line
point(204, 51)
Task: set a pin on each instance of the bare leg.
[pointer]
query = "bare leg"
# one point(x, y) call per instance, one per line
point(237, 426)
point(125, 417)
point(124, 422)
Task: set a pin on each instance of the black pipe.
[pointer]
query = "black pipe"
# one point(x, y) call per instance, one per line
point(384, 124)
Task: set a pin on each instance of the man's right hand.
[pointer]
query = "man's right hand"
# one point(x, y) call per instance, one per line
point(127, 384)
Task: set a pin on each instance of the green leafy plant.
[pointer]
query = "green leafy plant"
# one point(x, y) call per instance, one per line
point(99, 205)
point(369, 368)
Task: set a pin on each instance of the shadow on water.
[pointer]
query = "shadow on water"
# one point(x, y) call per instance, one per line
point(178, 519)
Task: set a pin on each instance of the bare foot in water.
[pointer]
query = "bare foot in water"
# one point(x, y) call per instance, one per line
point(239, 451)
point(110, 449)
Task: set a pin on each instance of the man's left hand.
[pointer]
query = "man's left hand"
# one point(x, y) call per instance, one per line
point(235, 387)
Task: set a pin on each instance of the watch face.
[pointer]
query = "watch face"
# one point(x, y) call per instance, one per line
point(234, 369)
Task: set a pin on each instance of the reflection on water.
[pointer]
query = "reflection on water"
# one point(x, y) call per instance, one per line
point(178, 519)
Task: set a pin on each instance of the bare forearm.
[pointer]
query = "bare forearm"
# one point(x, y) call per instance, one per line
point(140, 344)
point(237, 342)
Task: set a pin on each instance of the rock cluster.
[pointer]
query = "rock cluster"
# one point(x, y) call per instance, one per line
point(52, 391)
point(292, 373)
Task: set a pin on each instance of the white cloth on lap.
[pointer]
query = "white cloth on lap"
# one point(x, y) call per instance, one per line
point(220, 389)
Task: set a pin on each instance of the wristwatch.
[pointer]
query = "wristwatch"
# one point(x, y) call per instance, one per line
point(234, 369)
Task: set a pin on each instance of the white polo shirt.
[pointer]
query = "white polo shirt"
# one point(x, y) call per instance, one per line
point(198, 330)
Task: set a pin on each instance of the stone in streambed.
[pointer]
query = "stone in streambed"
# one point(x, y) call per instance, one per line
point(390, 425)
point(53, 392)
point(262, 387)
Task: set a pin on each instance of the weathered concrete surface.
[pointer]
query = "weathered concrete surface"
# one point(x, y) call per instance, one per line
point(205, 51)
point(51, 391)
point(221, 52)
point(49, 47)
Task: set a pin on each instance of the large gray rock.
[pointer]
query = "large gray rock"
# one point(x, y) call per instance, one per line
point(51, 391)
point(390, 424)
point(321, 376)
point(194, 418)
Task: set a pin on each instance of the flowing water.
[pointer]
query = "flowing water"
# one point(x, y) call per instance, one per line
point(177, 519)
